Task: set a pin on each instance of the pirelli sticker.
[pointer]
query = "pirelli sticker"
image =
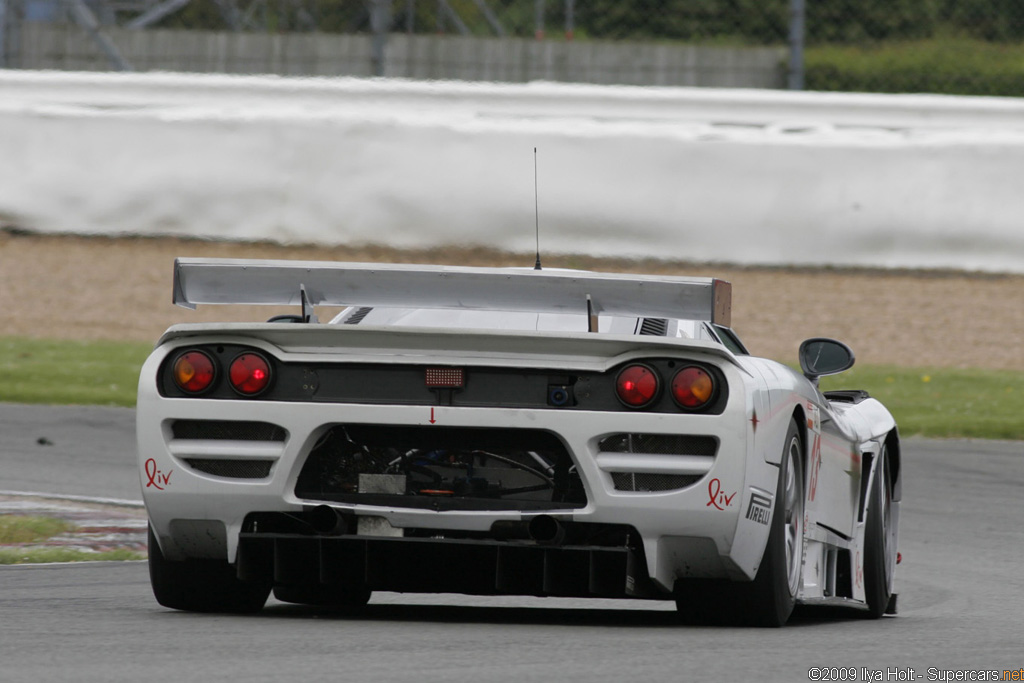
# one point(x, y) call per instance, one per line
point(759, 508)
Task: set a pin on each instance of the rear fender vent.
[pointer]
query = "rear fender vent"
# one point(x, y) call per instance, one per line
point(227, 430)
point(232, 469)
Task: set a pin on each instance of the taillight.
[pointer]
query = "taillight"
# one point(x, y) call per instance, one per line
point(194, 372)
point(637, 386)
point(692, 388)
point(249, 374)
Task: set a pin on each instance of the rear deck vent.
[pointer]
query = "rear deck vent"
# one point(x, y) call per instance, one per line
point(358, 316)
point(227, 430)
point(659, 444)
point(657, 327)
point(646, 481)
point(232, 469)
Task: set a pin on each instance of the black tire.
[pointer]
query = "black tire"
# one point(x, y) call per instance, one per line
point(769, 599)
point(879, 541)
point(774, 589)
point(201, 585)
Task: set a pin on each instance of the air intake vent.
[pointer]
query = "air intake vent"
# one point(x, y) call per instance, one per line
point(645, 481)
point(227, 430)
point(232, 469)
point(659, 444)
point(655, 327)
point(358, 316)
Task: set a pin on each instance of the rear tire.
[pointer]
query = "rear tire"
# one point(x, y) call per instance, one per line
point(201, 585)
point(879, 542)
point(774, 589)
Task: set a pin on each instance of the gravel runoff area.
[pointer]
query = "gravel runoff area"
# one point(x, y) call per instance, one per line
point(68, 287)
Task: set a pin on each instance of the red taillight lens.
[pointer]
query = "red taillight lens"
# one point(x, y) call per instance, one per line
point(249, 374)
point(637, 386)
point(194, 372)
point(693, 388)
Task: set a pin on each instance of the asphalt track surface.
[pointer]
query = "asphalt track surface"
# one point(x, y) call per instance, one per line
point(961, 586)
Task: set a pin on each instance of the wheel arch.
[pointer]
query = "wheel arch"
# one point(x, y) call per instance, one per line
point(800, 417)
point(894, 453)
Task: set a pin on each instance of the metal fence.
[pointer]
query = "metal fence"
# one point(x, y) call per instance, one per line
point(956, 46)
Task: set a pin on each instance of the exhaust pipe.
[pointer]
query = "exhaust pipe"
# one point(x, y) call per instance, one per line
point(326, 520)
point(546, 529)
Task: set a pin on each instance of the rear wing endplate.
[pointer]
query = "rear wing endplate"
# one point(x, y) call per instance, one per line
point(307, 283)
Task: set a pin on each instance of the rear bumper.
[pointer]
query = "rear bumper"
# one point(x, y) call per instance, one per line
point(698, 531)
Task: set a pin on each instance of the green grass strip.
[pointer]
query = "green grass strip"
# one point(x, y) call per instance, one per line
point(50, 555)
point(28, 529)
point(69, 372)
point(944, 402)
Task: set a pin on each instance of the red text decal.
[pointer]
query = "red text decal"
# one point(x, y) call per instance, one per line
point(718, 499)
point(157, 479)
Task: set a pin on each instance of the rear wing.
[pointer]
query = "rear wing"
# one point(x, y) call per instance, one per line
point(309, 283)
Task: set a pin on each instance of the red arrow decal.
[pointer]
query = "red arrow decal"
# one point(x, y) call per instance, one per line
point(432, 420)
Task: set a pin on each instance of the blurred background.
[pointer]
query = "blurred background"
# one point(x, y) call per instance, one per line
point(965, 47)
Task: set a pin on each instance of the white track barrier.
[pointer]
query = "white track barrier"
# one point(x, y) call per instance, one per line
point(739, 176)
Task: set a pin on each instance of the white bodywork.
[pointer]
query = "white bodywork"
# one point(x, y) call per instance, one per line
point(715, 528)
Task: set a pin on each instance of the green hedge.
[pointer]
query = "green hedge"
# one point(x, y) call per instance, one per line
point(960, 66)
point(754, 21)
point(745, 21)
point(1000, 20)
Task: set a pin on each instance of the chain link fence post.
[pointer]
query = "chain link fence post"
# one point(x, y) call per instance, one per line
point(380, 24)
point(797, 11)
point(3, 34)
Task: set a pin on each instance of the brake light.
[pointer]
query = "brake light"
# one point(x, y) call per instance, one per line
point(637, 386)
point(692, 388)
point(249, 374)
point(194, 372)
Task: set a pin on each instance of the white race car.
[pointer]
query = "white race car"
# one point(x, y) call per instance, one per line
point(505, 431)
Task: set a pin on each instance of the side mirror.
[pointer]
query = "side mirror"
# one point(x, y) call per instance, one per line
point(821, 356)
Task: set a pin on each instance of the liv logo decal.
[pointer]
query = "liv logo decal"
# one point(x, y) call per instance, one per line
point(157, 479)
point(718, 499)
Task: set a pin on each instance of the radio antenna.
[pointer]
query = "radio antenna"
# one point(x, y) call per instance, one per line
point(536, 208)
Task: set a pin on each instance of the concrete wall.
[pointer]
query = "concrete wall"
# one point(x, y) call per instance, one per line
point(48, 46)
point(739, 176)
